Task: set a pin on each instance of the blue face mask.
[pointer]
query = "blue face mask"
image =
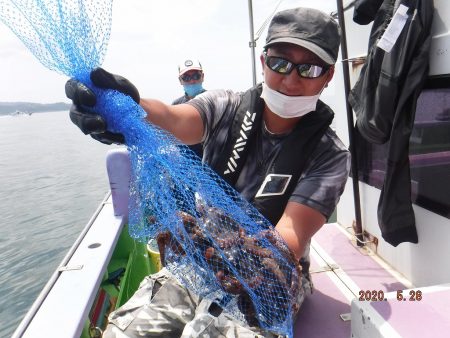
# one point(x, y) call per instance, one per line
point(193, 89)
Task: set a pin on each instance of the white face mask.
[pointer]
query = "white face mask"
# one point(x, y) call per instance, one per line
point(288, 106)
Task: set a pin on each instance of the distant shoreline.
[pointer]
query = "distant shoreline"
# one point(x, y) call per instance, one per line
point(18, 108)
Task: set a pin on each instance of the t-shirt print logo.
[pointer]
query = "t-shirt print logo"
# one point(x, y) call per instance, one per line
point(274, 184)
point(246, 126)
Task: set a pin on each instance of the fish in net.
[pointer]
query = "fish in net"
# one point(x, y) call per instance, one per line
point(210, 238)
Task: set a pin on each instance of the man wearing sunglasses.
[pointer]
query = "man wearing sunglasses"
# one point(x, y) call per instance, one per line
point(191, 76)
point(272, 143)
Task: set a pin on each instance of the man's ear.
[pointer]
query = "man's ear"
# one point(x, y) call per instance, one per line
point(181, 81)
point(261, 57)
point(330, 74)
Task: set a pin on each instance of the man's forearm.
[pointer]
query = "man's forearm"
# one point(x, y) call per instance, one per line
point(183, 120)
point(297, 225)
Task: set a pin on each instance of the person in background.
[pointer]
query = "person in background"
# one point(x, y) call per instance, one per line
point(191, 76)
point(289, 137)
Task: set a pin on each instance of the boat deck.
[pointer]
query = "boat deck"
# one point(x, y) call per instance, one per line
point(346, 278)
point(340, 270)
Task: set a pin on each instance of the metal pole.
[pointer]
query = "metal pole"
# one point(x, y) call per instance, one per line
point(350, 125)
point(252, 43)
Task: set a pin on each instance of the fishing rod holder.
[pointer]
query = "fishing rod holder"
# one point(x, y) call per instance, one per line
point(362, 238)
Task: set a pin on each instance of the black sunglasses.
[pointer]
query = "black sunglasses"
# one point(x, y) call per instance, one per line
point(186, 77)
point(285, 67)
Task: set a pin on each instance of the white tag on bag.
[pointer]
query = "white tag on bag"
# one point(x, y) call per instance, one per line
point(395, 27)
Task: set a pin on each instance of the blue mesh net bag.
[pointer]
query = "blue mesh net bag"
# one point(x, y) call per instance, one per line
point(210, 238)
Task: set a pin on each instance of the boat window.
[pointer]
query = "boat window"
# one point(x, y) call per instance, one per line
point(429, 152)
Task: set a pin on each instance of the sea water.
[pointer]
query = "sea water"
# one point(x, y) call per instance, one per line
point(52, 179)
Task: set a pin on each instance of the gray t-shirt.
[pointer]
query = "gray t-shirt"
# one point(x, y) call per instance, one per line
point(323, 179)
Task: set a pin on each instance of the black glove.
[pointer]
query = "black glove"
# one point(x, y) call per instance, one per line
point(92, 123)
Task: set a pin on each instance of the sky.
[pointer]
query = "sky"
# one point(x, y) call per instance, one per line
point(148, 41)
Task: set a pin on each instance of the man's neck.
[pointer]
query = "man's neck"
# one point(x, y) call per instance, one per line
point(276, 124)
